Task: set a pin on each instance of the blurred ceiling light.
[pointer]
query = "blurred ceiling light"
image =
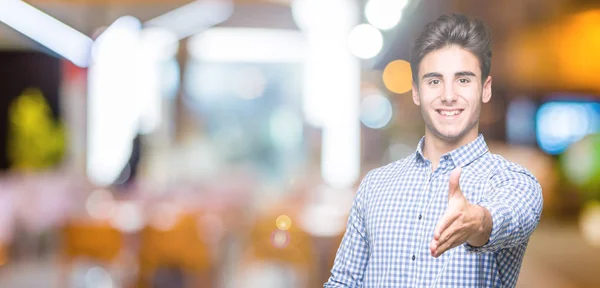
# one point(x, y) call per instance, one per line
point(331, 88)
point(126, 29)
point(397, 76)
point(46, 30)
point(159, 43)
point(254, 45)
point(384, 14)
point(113, 100)
point(194, 17)
point(326, 25)
point(315, 16)
point(340, 161)
point(365, 41)
point(375, 111)
point(156, 47)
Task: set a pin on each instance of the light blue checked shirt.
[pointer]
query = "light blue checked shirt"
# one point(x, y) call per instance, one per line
point(397, 207)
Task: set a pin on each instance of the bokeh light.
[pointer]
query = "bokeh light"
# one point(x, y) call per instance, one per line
point(397, 76)
point(375, 111)
point(165, 216)
point(280, 239)
point(97, 277)
point(559, 124)
point(250, 83)
point(365, 41)
point(384, 14)
point(589, 223)
point(323, 219)
point(286, 128)
point(100, 204)
point(581, 165)
point(283, 222)
point(128, 217)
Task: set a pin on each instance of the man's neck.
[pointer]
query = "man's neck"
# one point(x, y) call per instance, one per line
point(435, 147)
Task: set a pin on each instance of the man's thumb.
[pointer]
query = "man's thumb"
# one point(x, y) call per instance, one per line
point(454, 181)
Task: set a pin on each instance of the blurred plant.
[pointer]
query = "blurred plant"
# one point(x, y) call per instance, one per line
point(581, 166)
point(35, 140)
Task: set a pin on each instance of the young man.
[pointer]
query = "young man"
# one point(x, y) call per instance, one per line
point(451, 214)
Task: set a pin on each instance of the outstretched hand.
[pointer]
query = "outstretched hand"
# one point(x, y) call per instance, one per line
point(461, 221)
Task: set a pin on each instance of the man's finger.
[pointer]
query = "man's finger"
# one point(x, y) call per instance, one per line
point(443, 247)
point(453, 184)
point(446, 220)
point(447, 235)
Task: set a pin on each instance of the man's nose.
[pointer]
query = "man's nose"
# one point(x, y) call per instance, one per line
point(449, 94)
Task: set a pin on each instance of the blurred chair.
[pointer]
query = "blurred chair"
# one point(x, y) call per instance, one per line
point(293, 248)
point(3, 254)
point(175, 252)
point(96, 241)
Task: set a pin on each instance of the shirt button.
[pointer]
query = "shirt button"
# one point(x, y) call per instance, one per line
point(413, 258)
point(420, 217)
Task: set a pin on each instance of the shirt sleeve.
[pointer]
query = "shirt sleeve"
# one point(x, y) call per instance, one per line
point(353, 254)
point(515, 203)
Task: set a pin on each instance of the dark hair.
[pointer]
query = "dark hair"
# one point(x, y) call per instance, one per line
point(454, 29)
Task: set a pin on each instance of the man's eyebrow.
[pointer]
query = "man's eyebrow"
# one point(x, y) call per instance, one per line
point(432, 75)
point(464, 73)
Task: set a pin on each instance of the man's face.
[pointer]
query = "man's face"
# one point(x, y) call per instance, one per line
point(450, 92)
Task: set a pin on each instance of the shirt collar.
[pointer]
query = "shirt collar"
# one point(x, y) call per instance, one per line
point(460, 156)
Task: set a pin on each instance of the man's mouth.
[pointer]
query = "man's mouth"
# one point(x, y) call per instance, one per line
point(449, 112)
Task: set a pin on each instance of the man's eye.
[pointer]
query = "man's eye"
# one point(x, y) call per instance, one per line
point(463, 81)
point(434, 82)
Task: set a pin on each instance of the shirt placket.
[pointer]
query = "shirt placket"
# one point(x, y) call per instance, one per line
point(427, 201)
point(421, 223)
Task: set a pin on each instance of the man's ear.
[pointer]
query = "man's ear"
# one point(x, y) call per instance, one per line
point(487, 90)
point(415, 94)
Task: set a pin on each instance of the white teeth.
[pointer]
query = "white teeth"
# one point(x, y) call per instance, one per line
point(449, 113)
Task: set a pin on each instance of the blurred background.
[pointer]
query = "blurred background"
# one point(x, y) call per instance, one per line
point(219, 143)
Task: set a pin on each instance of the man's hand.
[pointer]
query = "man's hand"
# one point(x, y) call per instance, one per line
point(462, 222)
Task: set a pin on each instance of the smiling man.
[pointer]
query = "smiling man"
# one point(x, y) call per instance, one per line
point(451, 214)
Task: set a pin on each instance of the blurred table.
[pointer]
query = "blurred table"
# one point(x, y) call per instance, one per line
point(558, 257)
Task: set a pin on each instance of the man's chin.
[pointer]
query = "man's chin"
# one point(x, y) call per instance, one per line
point(450, 136)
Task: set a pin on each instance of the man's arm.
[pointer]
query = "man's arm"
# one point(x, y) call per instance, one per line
point(514, 206)
point(353, 254)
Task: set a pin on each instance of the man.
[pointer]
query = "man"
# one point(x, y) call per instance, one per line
point(451, 214)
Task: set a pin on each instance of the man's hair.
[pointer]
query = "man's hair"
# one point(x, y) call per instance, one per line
point(454, 29)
